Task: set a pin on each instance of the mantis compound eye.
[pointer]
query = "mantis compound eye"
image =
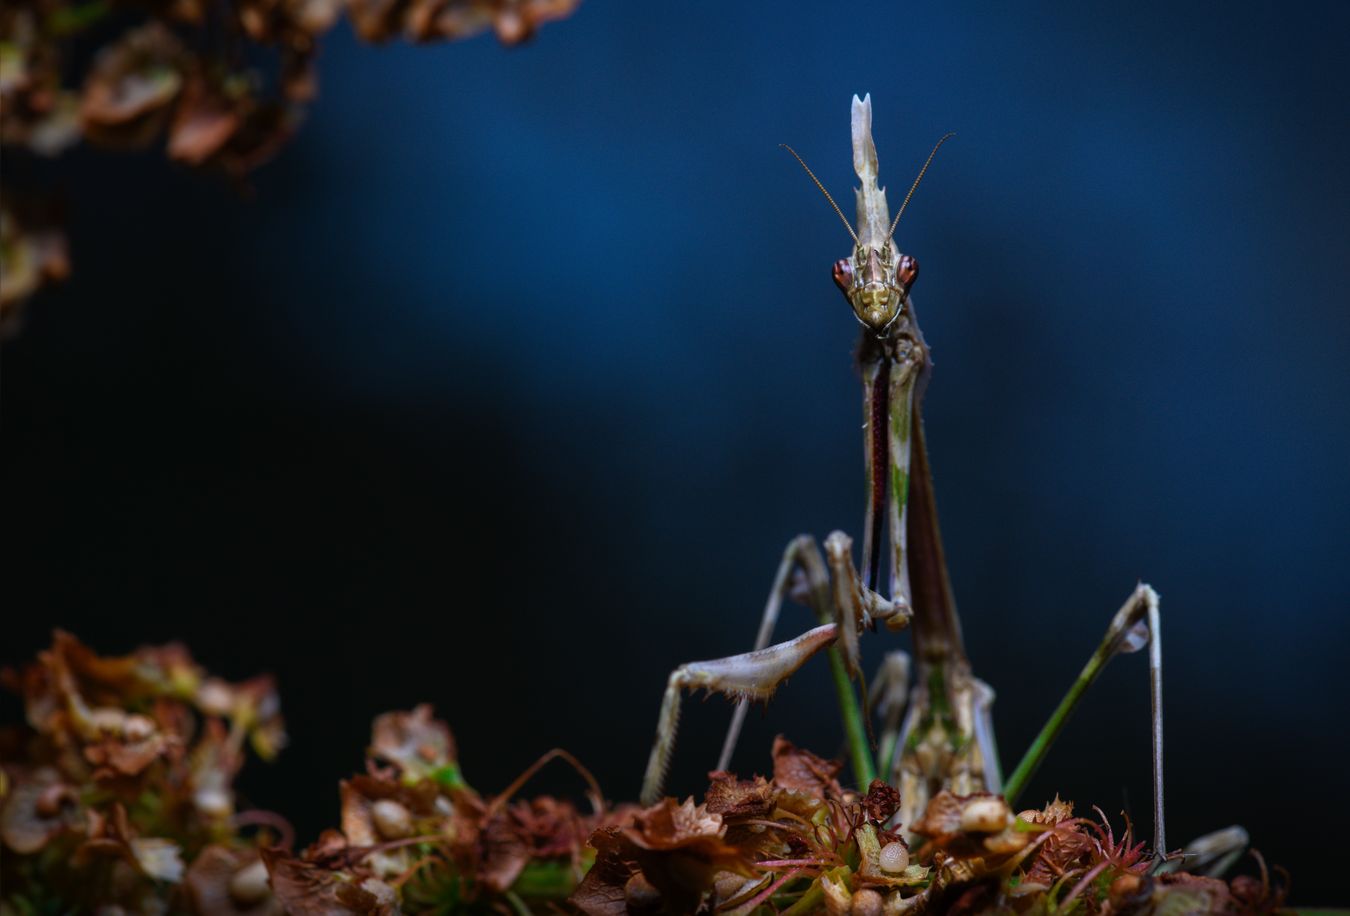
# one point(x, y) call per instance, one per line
point(843, 275)
point(907, 272)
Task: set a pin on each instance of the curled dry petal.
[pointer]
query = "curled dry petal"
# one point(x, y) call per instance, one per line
point(122, 756)
point(203, 124)
point(942, 817)
point(39, 808)
point(505, 853)
point(309, 889)
point(668, 858)
point(604, 890)
point(131, 86)
point(798, 770)
point(668, 825)
point(681, 849)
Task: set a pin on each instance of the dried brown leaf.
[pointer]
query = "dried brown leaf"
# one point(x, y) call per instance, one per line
point(603, 891)
point(733, 798)
point(941, 818)
point(39, 807)
point(798, 770)
point(307, 888)
point(131, 85)
point(505, 853)
point(552, 828)
point(203, 124)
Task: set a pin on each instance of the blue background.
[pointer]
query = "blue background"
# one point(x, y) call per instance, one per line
point(510, 383)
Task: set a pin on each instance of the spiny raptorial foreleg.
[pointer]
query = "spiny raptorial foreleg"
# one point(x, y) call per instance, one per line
point(751, 676)
point(803, 574)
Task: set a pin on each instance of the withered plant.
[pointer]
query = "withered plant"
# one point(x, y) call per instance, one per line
point(223, 85)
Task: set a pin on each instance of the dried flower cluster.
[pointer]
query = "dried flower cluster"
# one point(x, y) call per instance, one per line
point(116, 797)
point(224, 84)
point(800, 843)
point(123, 776)
point(416, 838)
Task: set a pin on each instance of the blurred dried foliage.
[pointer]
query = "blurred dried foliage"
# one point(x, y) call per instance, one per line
point(116, 798)
point(223, 84)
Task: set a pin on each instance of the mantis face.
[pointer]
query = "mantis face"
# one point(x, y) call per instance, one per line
point(875, 282)
point(875, 285)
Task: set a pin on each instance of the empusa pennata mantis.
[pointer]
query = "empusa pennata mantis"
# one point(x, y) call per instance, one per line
point(946, 738)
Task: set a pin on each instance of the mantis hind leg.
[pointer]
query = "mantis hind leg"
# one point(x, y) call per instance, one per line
point(1137, 624)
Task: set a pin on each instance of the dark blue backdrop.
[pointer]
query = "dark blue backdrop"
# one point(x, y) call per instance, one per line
point(508, 387)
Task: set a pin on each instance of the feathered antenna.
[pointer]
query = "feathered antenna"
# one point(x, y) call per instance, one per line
point(913, 187)
point(827, 193)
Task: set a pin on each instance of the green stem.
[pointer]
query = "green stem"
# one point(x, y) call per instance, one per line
point(73, 18)
point(807, 902)
point(886, 754)
point(517, 905)
point(551, 880)
point(855, 730)
point(1035, 754)
point(1121, 636)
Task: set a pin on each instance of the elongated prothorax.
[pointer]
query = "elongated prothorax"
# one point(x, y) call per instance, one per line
point(874, 222)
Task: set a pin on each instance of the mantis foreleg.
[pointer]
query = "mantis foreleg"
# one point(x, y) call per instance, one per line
point(751, 676)
point(853, 601)
point(843, 609)
point(801, 554)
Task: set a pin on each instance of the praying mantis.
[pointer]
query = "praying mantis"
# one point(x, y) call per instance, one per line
point(945, 739)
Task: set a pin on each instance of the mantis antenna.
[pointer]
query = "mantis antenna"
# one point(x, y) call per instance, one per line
point(912, 188)
point(827, 193)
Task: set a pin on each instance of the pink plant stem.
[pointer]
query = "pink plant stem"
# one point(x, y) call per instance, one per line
point(789, 863)
point(1086, 880)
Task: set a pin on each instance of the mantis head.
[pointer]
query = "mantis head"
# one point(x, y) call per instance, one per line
point(876, 284)
point(876, 279)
